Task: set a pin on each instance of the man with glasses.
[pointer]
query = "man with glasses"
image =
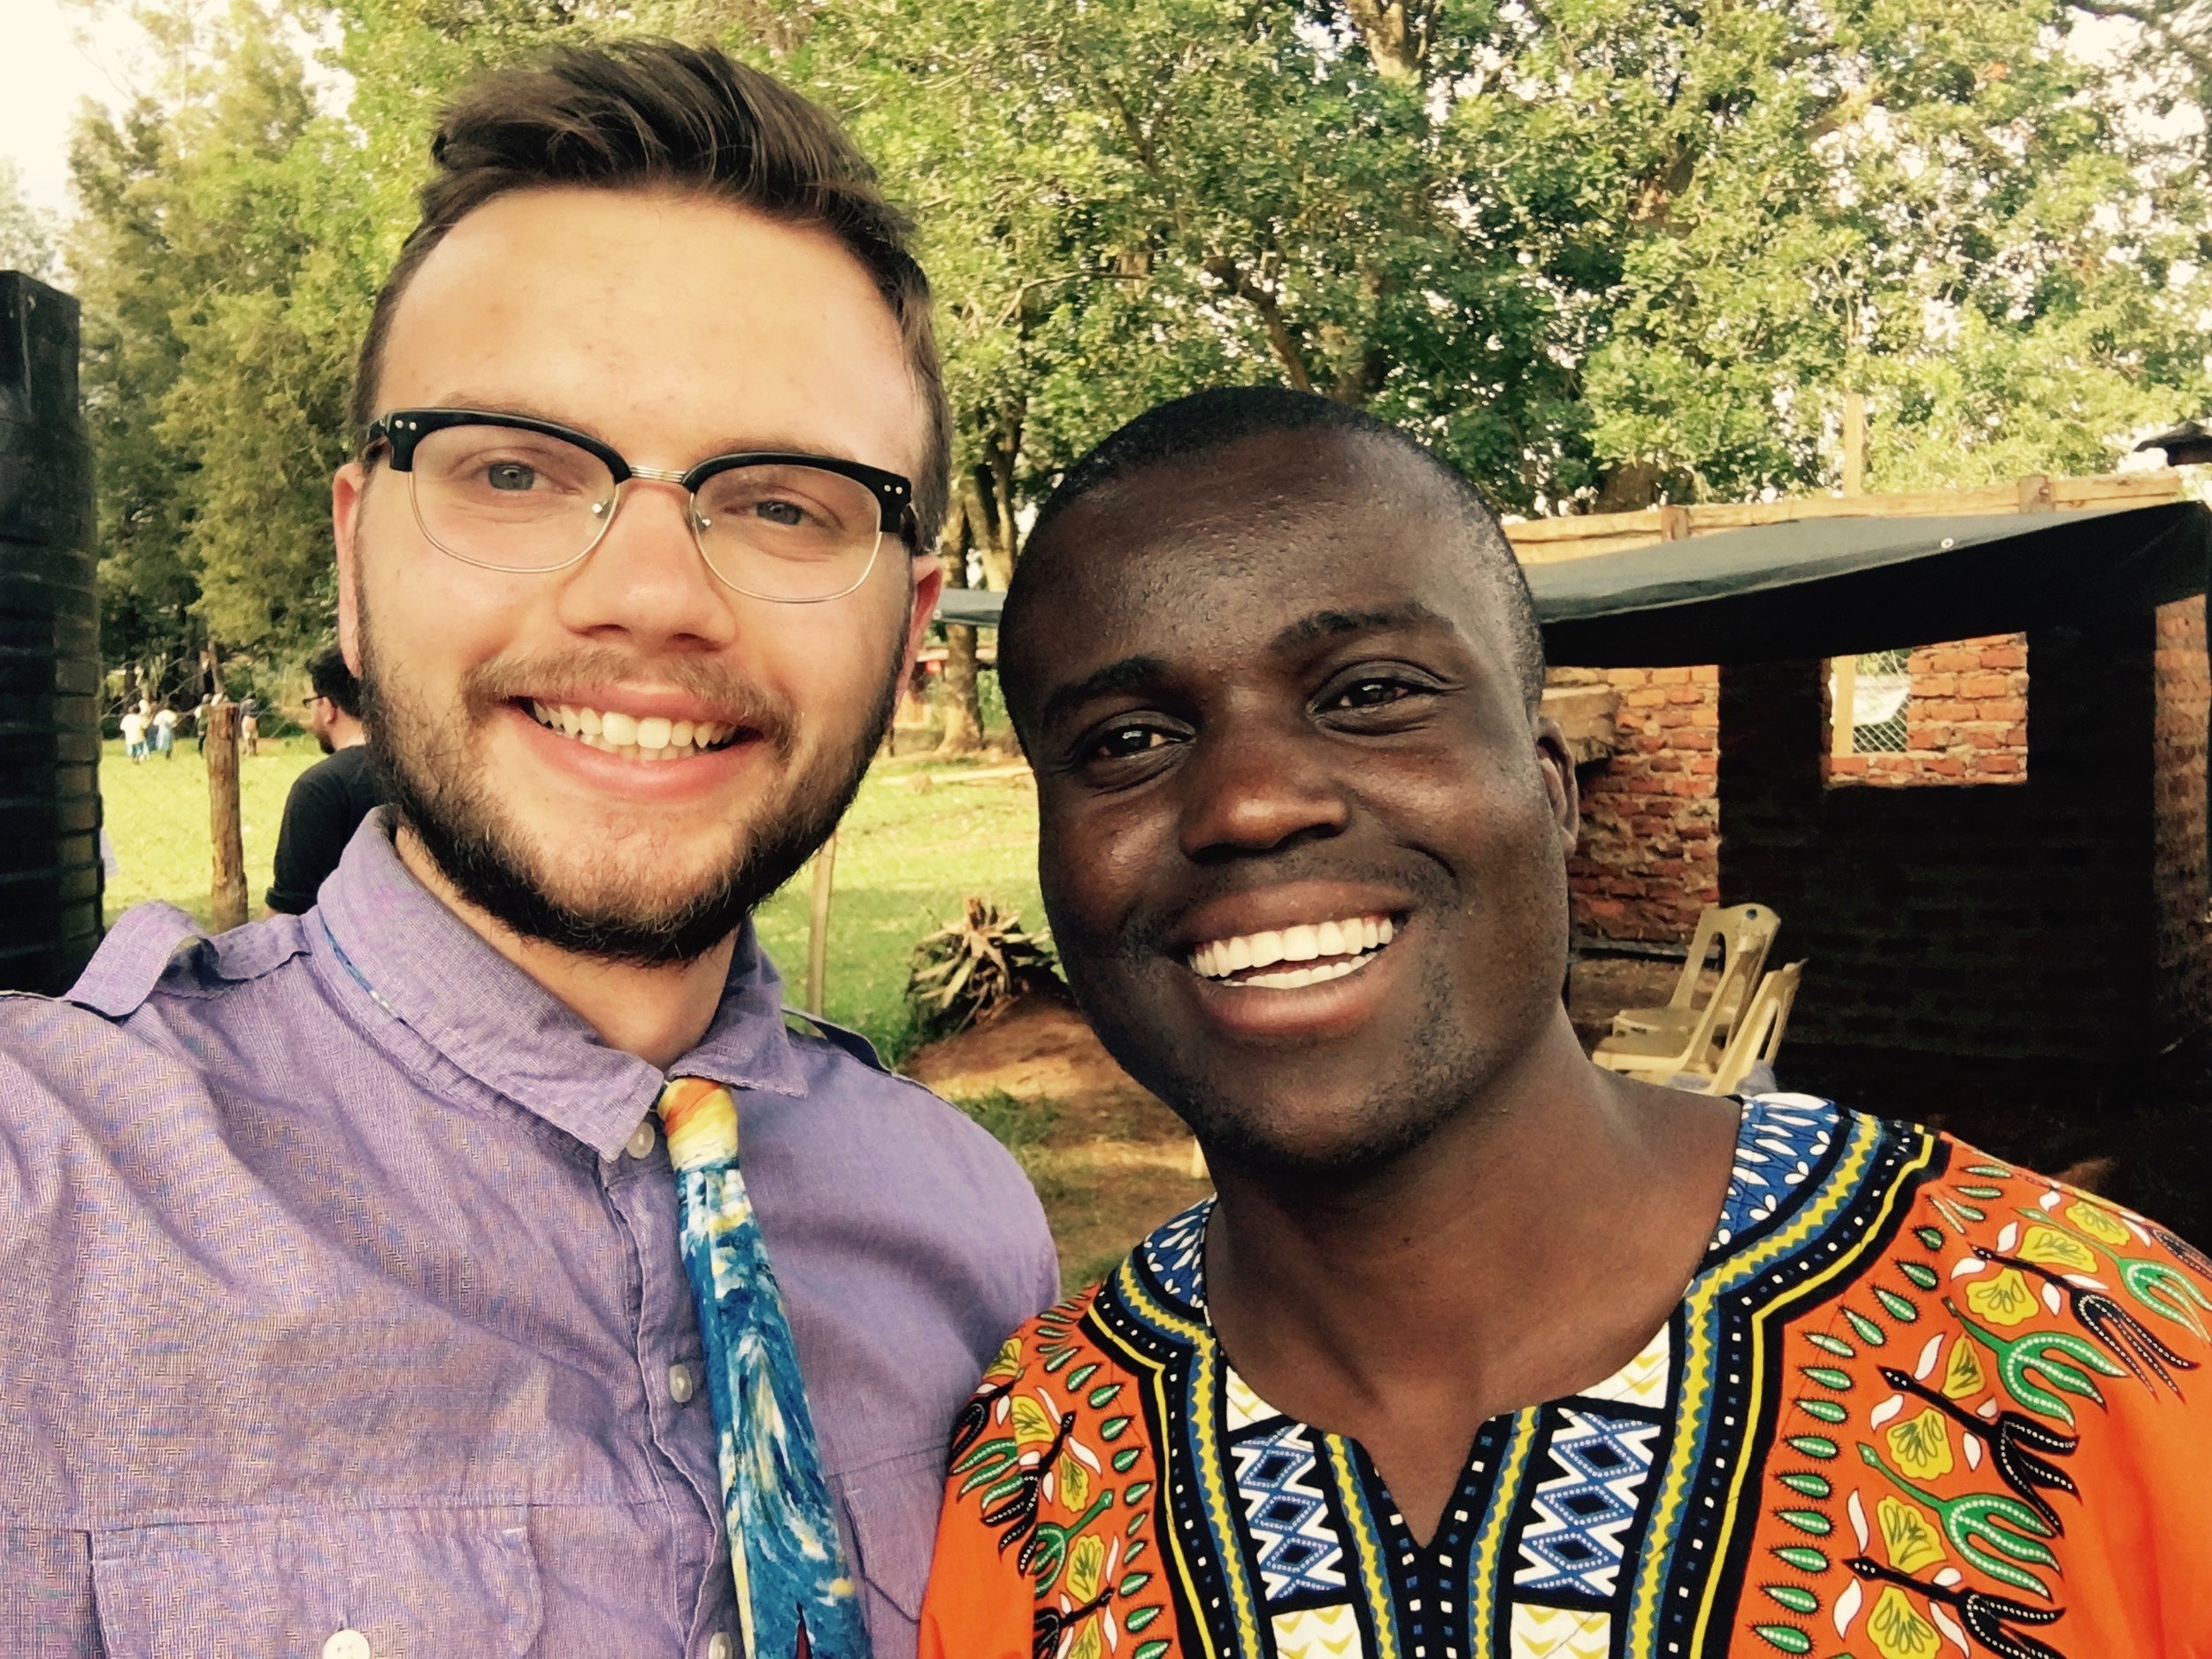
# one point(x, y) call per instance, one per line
point(328, 801)
point(479, 1264)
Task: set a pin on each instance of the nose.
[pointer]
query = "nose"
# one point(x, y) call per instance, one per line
point(646, 584)
point(1250, 788)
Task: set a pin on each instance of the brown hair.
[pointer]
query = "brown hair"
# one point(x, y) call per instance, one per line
point(652, 114)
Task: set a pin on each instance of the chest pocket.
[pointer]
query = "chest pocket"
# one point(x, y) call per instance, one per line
point(414, 1584)
point(891, 1509)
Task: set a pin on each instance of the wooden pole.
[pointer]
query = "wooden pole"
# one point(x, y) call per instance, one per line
point(817, 925)
point(1855, 443)
point(1842, 728)
point(224, 830)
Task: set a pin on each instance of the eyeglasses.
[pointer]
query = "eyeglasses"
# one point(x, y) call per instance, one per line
point(510, 493)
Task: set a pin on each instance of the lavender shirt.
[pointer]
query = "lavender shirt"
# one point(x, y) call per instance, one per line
point(338, 1290)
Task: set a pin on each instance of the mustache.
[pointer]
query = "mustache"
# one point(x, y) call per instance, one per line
point(561, 679)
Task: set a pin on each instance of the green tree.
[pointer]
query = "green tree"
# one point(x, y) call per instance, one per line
point(27, 231)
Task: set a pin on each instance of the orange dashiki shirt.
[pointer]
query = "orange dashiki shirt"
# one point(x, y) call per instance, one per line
point(1916, 1402)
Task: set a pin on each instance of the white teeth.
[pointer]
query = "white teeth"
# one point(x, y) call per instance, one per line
point(647, 737)
point(1334, 948)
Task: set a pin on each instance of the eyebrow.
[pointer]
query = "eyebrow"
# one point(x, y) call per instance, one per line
point(749, 446)
point(1326, 624)
point(1128, 673)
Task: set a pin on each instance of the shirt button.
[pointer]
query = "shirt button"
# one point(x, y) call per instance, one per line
point(719, 1648)
point(642, 1141)
point(680, 1385)
point(348, 1644)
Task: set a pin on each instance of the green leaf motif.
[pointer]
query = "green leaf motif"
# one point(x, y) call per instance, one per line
point(1151, 1649)
point(1081, 1374)
point(1126, 1459)
point(1795, 1597)
point(1920, 1273)
point(1141, 1617)
point(1868, 1332)
point(1132, 1582)
point(1804, 1557)
point(1813, 1445)
point(1826, 1410)
point(1102, 1397)
point(1930, 1238)
point(1808, 1521)
point(1138, 1491)
point(1789, 1638)
point(1809, 1484)
point(1829, 1377)
point(1113, 1428)
point(1896, 1306)
point(1828, 1344)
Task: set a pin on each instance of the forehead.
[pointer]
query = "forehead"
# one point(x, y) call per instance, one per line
point(1215, 554)
point(652, 317)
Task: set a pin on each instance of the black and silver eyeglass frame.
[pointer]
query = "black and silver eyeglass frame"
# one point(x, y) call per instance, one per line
point(399, 431)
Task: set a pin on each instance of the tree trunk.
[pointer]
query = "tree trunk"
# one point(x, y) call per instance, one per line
point(964, 711)
point(229, 893)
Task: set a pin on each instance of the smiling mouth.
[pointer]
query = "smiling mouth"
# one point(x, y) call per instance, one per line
point(632, 737)
point(1284, 959)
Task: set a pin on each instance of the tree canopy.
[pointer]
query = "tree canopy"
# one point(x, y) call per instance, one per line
point(1600, 253)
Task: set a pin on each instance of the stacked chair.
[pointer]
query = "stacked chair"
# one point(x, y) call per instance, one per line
point(1710, 1043)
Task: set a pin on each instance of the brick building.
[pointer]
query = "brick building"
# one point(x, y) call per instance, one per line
point(1993, 862)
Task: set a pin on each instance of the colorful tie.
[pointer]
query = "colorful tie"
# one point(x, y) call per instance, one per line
point(794, 1593)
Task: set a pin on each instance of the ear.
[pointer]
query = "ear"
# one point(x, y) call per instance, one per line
point(349, 487)
point(929, 581)
point(1559, 769)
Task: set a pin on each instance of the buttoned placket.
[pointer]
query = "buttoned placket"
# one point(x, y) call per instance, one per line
point(641, 1186)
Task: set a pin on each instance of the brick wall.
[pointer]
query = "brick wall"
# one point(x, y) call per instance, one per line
point(2015, 922)
point(1649, 856)
point(1966, 721)
point(2181, 684)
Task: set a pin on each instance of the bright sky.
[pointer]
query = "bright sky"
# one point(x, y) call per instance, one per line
point(52, 56)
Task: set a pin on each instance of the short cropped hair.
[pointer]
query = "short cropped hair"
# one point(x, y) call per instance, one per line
point(645, 115)
point(327, 673)
point(1179, 433)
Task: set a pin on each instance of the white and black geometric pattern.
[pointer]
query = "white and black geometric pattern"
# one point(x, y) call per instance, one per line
point(1585, 1504)
point(1287, 1515)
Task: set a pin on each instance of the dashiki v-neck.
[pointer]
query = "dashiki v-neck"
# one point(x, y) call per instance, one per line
point(1916, 1402)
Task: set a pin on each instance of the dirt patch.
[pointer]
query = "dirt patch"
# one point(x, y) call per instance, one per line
point(1114, 1163)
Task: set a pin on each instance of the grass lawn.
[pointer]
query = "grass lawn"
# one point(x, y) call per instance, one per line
point(914, 845)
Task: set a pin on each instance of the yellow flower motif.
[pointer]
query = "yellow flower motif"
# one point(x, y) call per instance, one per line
point(1922, 1444)
point(2048, 1247)
point(1897, 1628)
point(1087, 1567)
point(2004, 1302)
point(2096, 1221)
point(1008, 1362)
point(1964, 1375)
point(1075, 1483)
point(1031, 1425)
point(1908, 1534)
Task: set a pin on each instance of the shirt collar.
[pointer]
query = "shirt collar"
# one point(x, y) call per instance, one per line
point(425, 967)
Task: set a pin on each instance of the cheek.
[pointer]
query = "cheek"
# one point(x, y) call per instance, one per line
point(431, 614)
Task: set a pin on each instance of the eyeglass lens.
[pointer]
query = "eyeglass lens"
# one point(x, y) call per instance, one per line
point(525, 501)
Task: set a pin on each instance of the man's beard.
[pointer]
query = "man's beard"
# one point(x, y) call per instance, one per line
point(438, 793)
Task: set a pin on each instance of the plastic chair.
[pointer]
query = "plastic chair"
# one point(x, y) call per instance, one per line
point(1740, 928)
point(1682, 1037)
point(1758, 1034)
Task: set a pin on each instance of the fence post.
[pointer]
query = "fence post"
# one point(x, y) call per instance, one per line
point(818, 925)
point(224, 828)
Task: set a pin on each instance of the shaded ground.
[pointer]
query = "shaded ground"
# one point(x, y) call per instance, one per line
point(1109, 1160)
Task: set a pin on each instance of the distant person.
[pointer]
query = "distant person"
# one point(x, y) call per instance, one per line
point(332, 796)
point(164, 732)
point(249, 727)
point(134, 735)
